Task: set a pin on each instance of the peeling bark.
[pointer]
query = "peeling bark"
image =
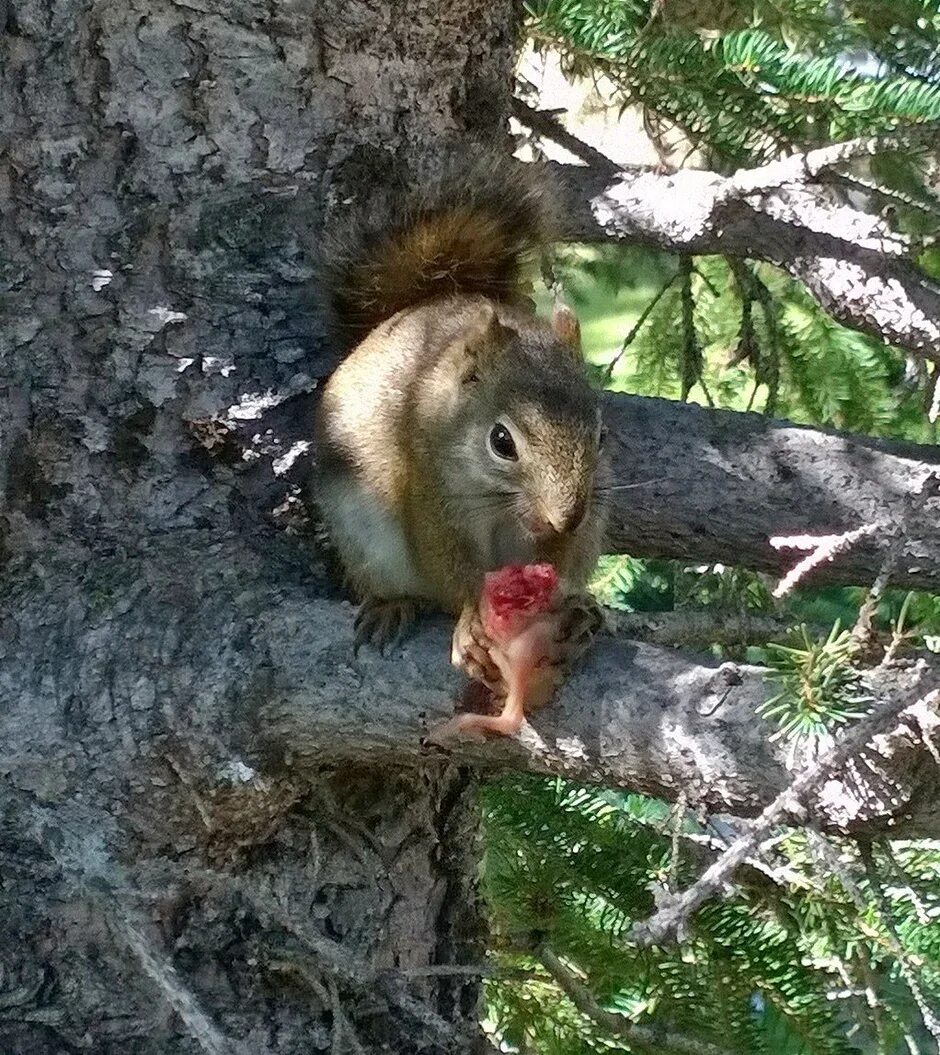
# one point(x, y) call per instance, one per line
point(851, 262)
point(161, 164)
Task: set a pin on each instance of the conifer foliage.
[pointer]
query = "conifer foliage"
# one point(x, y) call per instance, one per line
point(820, 944)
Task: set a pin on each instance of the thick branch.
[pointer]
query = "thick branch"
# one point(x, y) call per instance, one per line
point(717, 485)
point(850, 261)
point(219, 664)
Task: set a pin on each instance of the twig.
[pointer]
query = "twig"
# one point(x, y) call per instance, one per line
point(351, 970)
point(635, 329)
point(931, 1021)
point(827, 857)
point(691, 627)
point(897, 870)
point(913, 502)
point(891, 193)
point(468, 970)
point(823, 548)
point(648, 1038)
point(691, 364)
point(677, 818)
point(342, 1027)
point(545, 123)
point(158, 968)
point(674, 912)
point(806, 167)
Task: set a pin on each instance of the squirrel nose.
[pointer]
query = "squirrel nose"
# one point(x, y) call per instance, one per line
point(568, 517)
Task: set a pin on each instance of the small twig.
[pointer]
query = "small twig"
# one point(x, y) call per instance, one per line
point(693, 627)
point(635, 329)
point(923, 917)
point(157, 966)
point(343, 1033)
point(913, 502)
point(897, 632)
point(829, 863)
point(674, 912)
point(469, 970)
point(545, 123)
point(677, 818)
point(648, 1038)
point(823, 548)
point(931, 1021)
point(691, 366)
point(891, 193)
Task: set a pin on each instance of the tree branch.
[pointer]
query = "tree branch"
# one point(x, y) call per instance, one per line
point(850, 261)
point(674, 912)
point(643, 1037)
point(220, 655)
point(709, 485)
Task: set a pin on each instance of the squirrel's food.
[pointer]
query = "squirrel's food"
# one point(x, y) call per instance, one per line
point(520, 615)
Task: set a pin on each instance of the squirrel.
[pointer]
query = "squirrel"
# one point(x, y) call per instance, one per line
point(461, 433)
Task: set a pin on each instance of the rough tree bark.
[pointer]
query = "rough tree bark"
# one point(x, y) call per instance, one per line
point(160, 162)
point(220, 833)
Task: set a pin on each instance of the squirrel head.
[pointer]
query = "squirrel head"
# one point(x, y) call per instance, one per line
point(520, 429)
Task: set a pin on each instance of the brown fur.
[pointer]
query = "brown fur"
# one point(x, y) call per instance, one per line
point(468, 233)
point(414, 498)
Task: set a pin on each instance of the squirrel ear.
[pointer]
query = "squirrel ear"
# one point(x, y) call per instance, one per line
point(566, 327)
point(479, 341)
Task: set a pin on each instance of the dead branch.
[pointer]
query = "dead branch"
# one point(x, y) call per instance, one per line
point(674, 912)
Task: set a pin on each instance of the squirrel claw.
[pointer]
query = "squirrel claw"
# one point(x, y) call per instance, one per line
point(382, 622)
point(470, 652)
point(581, 620)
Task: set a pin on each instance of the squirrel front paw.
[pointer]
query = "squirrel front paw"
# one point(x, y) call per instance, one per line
point(580, 620)
point(383, 621)
point(470, 651)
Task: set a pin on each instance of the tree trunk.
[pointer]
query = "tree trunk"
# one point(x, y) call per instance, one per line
point(169, 886)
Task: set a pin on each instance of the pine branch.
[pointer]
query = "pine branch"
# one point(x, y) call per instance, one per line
point(545, 123)
point(807, 167)
point(674, 913)
point(851, 262)
point(646, 1038)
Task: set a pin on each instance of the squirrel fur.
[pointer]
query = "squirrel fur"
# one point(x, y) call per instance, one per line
point(460, 434)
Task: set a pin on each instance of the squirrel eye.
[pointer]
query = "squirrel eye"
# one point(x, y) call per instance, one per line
point(502, 444)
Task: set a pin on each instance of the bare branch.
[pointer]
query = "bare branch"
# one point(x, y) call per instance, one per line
point(675, 911)
point(716, 486)
point(545, 123)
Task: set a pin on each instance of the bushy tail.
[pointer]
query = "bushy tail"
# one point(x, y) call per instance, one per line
point(467, 233)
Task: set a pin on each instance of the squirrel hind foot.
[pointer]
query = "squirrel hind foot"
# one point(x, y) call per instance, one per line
point(470, 652)
point(383, 622)
point(581, 620)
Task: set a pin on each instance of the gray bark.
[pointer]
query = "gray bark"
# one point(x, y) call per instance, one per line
point(160, 163)
point(716, 485)
point(852, 262)
point(219, 832)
